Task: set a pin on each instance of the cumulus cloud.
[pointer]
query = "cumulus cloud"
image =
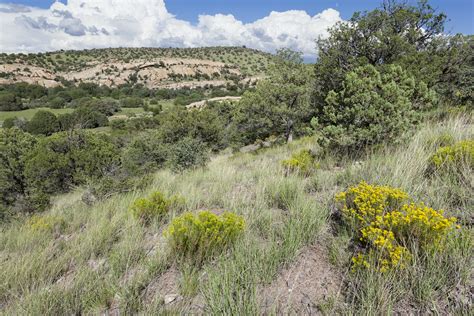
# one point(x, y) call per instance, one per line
point(82, 24)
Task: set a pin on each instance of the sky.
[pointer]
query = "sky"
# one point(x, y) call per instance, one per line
point(45, 25)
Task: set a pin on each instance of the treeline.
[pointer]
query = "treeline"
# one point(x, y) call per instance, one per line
point(21, 96)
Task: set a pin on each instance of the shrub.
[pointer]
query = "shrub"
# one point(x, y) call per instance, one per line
point(66, 121)
point(15, 147)
point(201, 236)
point(156, 206)
point(188, 153)
point(57, 103)
point(88, 117)
point(118, 124)
point(9, 122)
point(373, 107)
point(453, 157)
point(67, 159)
point(390, 228)
point(144, 153)
point(303, 162)
point(441, 140)
point(46, 223)
point(10, 102)
point(131, 102)
point(361, 204)
point(44, 122)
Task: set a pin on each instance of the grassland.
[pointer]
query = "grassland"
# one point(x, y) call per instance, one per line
point(29, 113)
point(101, 260)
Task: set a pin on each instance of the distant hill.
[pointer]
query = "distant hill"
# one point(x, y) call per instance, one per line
point(152, 67)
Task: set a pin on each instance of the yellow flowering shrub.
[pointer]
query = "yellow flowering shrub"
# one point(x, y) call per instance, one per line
point(46, 223)
point(303, 162)
point(203, 235)
point(454, 156)
point(155, 206)
point(362, 203)
point(388, 225)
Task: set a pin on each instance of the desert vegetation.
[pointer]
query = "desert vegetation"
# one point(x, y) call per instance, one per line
point(340, 187)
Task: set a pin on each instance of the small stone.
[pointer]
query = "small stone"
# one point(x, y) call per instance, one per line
point(170, 298)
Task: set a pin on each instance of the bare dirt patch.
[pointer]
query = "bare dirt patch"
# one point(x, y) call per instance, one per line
point(301, 288)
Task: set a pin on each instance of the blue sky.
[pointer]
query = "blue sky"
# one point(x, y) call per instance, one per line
point(460, 12)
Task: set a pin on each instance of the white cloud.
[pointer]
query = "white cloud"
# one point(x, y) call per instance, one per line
point(110, 23)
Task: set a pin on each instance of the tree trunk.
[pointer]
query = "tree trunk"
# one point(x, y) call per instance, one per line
point(289, 131)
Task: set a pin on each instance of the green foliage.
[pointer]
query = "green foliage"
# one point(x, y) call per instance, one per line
point(145, 152)
point(66, 159)
point(67, 121)
point(9, 122)
point(106, 106)
point(15, 146)
point(188, 153)
point(57, 103)
point(198, 237)
point(87, 117)
point(303, 162)
point(373, 107)
point(155, 206)
point(9, 102)
point(131, 102)
point(46, 223)
point(44, 123)
point(280, 103)
point(392, 33)
point(456, 160)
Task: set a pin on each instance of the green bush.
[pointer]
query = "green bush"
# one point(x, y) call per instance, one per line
point(46, 223)
point(303, 162)
point(453, 158)
point(44, 122)
point(15, 147)
point(57, 103)
point(10, 102)
point(188, 153)
point(9, 122)
point(373, 107)
point(131, 102)
point(155, 206)
point(118, 124)
point(146, 152)
point(197, 237)
point(64, 160)
point(87, 117)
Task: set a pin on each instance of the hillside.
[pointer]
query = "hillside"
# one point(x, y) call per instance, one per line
point(152, 67)
point(80, 259)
